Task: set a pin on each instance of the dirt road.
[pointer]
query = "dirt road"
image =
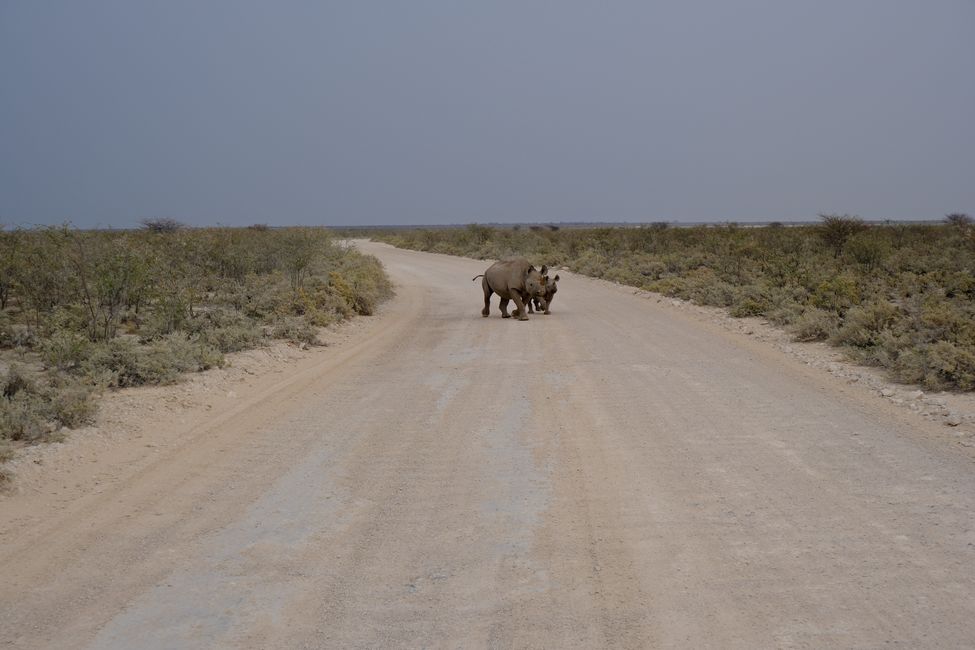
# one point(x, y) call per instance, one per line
point(617, 474)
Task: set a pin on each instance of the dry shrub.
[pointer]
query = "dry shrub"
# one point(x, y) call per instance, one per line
point(864, 325)
point(295, 329)
point(34, 408)
point(6, 455)
point(951, 366)
point(124, 362)
point(815, 325)
point(837, 293)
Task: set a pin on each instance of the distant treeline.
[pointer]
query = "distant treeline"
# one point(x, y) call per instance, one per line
point(358, 231)
point(898, 296)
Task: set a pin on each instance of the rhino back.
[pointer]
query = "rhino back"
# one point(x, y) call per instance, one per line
point(507, 275)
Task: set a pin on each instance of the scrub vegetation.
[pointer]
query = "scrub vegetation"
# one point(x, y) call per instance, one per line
point(901, 297)
point(82, 311)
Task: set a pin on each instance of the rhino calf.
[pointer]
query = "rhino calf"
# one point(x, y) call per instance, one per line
point(512, 279)
point(545, 302)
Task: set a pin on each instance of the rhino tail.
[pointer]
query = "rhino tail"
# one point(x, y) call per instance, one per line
point(477, 276)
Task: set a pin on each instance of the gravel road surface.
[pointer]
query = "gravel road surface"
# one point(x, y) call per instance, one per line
point(615, 474)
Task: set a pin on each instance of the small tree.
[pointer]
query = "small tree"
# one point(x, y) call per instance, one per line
point(110, 273)
point(836, 229)
point(300, 247)
point(162, 224)
point(9, 242)
point(958, 219)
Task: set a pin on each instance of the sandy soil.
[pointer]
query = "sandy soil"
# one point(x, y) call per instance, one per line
point(628, 472)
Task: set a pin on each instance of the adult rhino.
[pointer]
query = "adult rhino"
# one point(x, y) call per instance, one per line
point(512, 279)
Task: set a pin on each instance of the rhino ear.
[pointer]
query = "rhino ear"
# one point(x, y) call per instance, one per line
point(556, 278)
point(544, 269)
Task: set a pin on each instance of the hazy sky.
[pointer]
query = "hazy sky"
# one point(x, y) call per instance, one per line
point(366, 112)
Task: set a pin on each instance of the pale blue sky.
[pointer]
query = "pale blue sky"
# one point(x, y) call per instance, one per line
point(453, 112)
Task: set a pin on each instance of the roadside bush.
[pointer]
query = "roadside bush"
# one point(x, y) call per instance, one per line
point(366, 281)
point(815, 325)
point(750, 301)
point(22, 418)
point(6, 454)
point(951, 366)
point(32, 410)
point(123, 362)
point(941, 319)
point(864, 325)
point(71, 403)
point(295, 329)
point(234, 337)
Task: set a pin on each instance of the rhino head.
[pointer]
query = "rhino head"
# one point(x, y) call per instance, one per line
point(551, 287)
point(536, 282)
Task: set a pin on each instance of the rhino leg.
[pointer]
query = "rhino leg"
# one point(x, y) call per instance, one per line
point(519, 313)
point(504, 308)
point(487, 297)
point(528, 304)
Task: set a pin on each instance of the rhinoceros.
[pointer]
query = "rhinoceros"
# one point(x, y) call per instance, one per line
point(545, 302)
point(512, 279)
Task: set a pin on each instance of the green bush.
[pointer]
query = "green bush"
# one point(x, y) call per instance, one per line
point(6, 331)
point(71, 403)
point(750, 301)
point(864, 325)
point(6, 454)
point(295, 329)
point(64, 349)
point(22, 418)
point(815, 325)
point(123, 362)
point(234, 337)
point(837, 293)
point(868, 250)
point(34, 408)
point(951, 365)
